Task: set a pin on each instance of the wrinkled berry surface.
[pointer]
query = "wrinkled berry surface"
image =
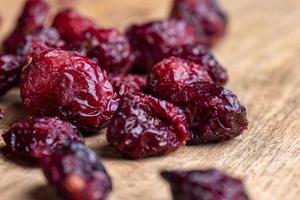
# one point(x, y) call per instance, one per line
point(145, 126)
point(129, 82)
point(205, 16)
point(10, 70)
point(152, 40)
point(39, 137)
point(110, 48)
point(2, 113)
point(73, 87)
point(208, 184)
point(77, 173)
point(31, 19)
point(200, 55)
point(169, 77)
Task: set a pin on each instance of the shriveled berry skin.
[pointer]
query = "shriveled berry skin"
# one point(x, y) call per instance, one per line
point(31, 19)
point(129, 82)
point(1, 114)
point(110, 48)
point(10, 70)
point(39, 137)
point(169, 77)
point(200, 55)
point(73, 87)
point(208, 184)
point(152, 40)
point(205, 16)
point(72, 26)
point(145, 126)
point(77, 173)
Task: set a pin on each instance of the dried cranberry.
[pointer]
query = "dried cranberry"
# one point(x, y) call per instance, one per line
point(1, 114)
point(31, 19)
point(39, 137)
point(200, 55)
point(10, 70)
point(205, 16)
point(145, 126)
point(77, 173)
point(73, 87)
point(72, 26)
point(129, 82)
point(110, 48)
point(168, 78)
point(208, 184)
point(152, 40)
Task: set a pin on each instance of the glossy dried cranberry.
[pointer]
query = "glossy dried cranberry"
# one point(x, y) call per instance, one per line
point(152, 40)
point(200, 55)
point(10, 70)
point(39, 137)
point(129, 82)
point(168, 78)
point(110, 48)
point(205, 16)
point(208, 184)
point(31, 19)
point(77, 173)
point(1, 114)
point(73, 87)
point(145, 126)
point(72, 26)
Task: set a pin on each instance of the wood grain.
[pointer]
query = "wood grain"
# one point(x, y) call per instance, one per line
point(261, 52)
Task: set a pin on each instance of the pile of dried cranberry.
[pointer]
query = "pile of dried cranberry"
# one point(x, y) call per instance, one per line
point(156, 87)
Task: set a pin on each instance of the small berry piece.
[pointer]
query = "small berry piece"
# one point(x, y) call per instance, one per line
point(10, 70)
point(152, 40)
point(129, 82)
point(31, 19)
point(39, 137)
point(208, 184)
point(110, 48)
point(1, 114)
point(72, 26)
point(70, 86)
point(145, 126)
point(76, 172)
point(168, 78)
point(205, 16)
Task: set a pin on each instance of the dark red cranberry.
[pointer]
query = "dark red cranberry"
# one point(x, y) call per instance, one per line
point(31, 19)
point(39, 137)
point(200, 55)
point(168, 78)
point(1, 114)
point(145, 126)
point(10, 70)
point(208, 184)
point(110, 48)
point(205, 16)
point(152, 40)
point(72, 26)
point(129, 82)
point(73, 87)
point(77, 173)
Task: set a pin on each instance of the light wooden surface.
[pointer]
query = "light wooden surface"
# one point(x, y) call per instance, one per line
point(262, 54)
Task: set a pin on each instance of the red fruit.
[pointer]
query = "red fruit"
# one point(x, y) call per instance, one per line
point(145, 126)
point(169, 77)
point(10, 70)
point(73, 87)
point(31, 19)
point(152, 40)
point(205, 16)
point(124, 83)
point(76, 172)
point(208, 184)
point(72, 26)
point(200, 55)
point(39, 137)
point(1, 114)
point(110, 48)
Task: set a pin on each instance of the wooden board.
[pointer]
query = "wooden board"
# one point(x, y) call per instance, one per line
point(261, 52)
